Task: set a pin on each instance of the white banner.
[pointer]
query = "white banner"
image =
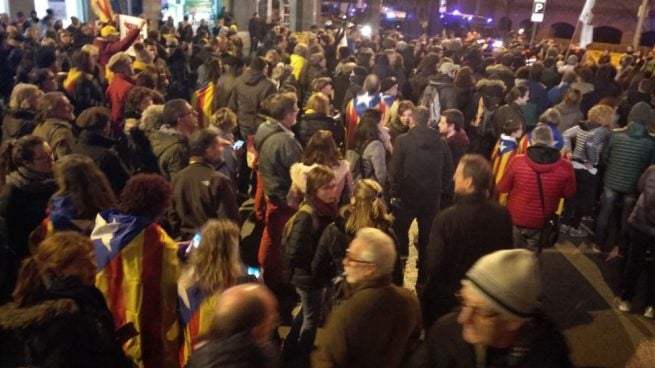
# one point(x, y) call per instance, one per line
point(127, 22)
point(586, 13)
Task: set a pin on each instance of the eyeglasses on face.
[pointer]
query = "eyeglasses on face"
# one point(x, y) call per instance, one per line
point(349, 258)
point(476, 311)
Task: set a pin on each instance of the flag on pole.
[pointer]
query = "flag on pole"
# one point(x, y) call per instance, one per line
point(586, 14)
point(103, 10)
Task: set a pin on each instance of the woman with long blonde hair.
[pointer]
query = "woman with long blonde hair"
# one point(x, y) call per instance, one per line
point(213, 266)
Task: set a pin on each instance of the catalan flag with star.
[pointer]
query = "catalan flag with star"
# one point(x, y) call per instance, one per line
point(505, 149)
point(137, 273)
point(196, 312)
point(355, 109)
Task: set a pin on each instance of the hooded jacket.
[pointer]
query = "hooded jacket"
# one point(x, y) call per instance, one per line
point(520, 181)
point(59, 135)
point(569, 115)
point(643, 215)
point(630, 151)
point(17, 124)
point(250, 89)
point(65, 324)
point(172, 150)
point(447, 92)
point(421, 167)
point(101, 150)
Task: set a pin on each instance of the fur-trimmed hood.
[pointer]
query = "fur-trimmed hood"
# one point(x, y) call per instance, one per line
point(490, 83)
point(14, 317)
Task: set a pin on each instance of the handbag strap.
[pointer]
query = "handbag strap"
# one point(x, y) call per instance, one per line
point(541, 194)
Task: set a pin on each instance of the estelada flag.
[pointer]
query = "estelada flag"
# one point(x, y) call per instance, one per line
point(356, 108)
point(103, 10)
point(505, 149)
point(202, 101)
point(137, 274)
point(196, 312)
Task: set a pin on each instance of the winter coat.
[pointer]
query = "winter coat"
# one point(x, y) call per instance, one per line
point(473, 227)
point(313, 72)
point(101, 150)
point(396, 128)
point(504, 73)
point(589, 141)
point(250, 89)
point(539, 344)
point(65, 324)
point(301, 246)
point(505, 113)
point(570, 115)
point(458, 145)
point(538, 96)
point(421, 168)
point(237, 351)
point(341, 172)
point(643, 215)
point(182, 78)
point(172, 150)
point(200, 193)
point(376, 325)
point(83, 90)
point(520, 181)
point(628, 153)
point(374, 162)
point(447, 92)
point(556, 93)
point(278, 150)
point(107, 49)
point(330, 251)
point(17, 124)
point(141, 158)
point(312, 121)
point(223, 90)
point(116, 95)
point(59, 135)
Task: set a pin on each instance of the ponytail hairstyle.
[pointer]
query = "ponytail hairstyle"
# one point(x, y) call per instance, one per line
point(17, 153)
point(48, 261)
point(367, 208)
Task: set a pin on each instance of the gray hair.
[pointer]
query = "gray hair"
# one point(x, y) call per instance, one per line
point(22, 96)
point(542, 135)
point(151, 118)
point(379, 248)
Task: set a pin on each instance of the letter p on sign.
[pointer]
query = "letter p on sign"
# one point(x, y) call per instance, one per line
point(538, 10)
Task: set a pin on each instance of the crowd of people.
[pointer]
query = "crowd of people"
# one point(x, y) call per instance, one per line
point(125, 165)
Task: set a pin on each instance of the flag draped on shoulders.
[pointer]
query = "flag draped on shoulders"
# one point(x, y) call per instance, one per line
point(202, 101)
point(137, 273)
point(196, 312)
point(505, 149)
point(356, 108)
point(558, 140)
point(73, 76)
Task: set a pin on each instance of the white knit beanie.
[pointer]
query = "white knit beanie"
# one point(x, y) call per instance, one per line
point(509, 280)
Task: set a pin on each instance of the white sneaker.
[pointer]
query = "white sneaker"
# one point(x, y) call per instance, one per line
point(650, 312)
point(623, 305)
point(564, 229)
point(577, 233)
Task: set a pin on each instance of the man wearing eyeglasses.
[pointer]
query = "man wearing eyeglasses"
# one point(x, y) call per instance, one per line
point(499, 323)
point(377, 324)
point(171, 143)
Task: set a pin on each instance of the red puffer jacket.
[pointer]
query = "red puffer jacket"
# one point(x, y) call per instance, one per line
point(520, 181)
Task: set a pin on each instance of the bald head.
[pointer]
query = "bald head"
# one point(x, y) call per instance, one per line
point(248, 308)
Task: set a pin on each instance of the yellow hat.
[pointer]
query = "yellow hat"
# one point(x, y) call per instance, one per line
point(107, 31)
point(234, 28)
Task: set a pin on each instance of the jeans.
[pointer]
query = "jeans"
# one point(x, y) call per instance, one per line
point(404, 217)
point(299, 342)
point(639, 245)
point(526, 238)
point(610, 200)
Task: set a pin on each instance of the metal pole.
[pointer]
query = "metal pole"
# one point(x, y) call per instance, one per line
point(643, 10)
point(534, 32)
point(575, 30)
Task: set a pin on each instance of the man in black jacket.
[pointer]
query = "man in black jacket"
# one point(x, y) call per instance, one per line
point(474, 226)
point(421, 169)
point(200, 192)
point(242, 330)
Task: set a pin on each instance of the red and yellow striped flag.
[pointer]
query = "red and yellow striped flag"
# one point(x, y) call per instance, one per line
point(103, 10)
point(137, 274)
point(505, 149)
point(197, 311)
point(202, 100)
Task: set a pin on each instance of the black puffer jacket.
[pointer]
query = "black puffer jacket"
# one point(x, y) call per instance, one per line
point(17, 124)
point(301, 246)
point(65, 325)
point(87, 93)
point(311, 122)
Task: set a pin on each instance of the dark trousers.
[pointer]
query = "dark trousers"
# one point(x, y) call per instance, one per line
point(614, 202)
point(404, 217)
point(582, 203)
point(639, 245)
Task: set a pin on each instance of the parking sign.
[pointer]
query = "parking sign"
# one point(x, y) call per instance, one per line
point(538, 9)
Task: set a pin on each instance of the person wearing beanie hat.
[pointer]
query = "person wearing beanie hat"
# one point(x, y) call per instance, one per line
point(122, 82)
point(544, 163)
point(628, 153)
point(500, 323)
